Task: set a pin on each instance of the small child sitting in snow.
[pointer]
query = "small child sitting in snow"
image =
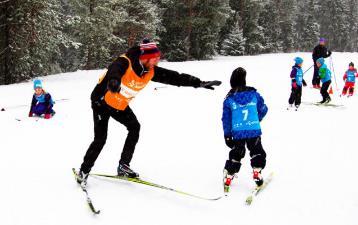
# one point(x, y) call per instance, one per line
point(350, 79)
point(41, 102)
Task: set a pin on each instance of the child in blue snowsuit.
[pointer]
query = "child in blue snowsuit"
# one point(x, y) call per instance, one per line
point(41, 103)
point(296, 83)
point(243, 110)
point(325, 75)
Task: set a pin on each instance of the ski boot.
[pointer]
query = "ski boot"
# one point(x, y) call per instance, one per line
point(227, 180)
point(296, 107)
point(124, 171)
point(257, 176)
point(323, 101)
point(327, 100)
point(81, 178)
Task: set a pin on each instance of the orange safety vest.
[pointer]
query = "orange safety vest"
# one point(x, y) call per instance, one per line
point(131, 84)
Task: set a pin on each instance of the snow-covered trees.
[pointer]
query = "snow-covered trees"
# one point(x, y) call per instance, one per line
point(42, 37)
point(30, 39)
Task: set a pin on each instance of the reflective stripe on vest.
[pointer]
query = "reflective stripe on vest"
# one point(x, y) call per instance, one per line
point(131, 84)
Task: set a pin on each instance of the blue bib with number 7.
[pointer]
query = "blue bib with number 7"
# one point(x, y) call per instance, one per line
point(245, 117)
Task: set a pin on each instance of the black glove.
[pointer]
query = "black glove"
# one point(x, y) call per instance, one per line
point(210, 84)
point(304, 83)
point(229, 142)
point(329, 53)
point(113, 85)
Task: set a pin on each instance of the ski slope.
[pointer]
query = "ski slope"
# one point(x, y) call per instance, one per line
point(313, 152)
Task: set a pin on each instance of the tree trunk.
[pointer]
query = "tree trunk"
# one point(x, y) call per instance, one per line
point(189, 29)
point(89, 62)
point(7, 74)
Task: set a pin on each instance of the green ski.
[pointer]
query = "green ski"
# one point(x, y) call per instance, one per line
point(258, 189)
point(140, 181)
point(84, 189)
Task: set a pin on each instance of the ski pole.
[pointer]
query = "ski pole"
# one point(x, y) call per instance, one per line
point(160, 87)
point(334, 73)
point(307, 70)
point(20, 106)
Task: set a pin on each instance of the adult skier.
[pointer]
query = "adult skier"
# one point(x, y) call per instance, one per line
point(125, 77)
point(320, 51)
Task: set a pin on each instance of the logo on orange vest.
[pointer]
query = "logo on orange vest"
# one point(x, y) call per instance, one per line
point(136, 84)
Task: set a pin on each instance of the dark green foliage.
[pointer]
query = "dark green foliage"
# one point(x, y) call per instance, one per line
point(41, 37)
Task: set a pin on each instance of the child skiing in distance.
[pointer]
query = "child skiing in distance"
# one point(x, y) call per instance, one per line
point(243, 109)
point(296, 83)
point(325, 76)
point(350, 79)
point(41, 103)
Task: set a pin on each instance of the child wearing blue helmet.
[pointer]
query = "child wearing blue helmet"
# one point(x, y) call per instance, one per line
point(296, 83)
point(41, 104)
point(325, 75)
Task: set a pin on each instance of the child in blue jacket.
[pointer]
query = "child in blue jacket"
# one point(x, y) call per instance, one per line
point(41, 103)
point(296, 83)
point(325, 75)
point(243, 110)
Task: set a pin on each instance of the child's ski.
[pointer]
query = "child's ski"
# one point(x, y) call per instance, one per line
point(324, 104)
point(84, 189)
point(140, 181)
point(258, 189)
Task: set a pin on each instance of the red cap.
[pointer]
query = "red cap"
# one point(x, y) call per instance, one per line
point(149, 50)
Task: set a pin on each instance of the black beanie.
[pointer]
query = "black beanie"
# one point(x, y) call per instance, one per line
point(238, 78)
point(351, 64)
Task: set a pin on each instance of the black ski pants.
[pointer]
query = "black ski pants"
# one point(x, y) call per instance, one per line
point(324, 90)
point(257, 154)
point(315, 80)
point(101, 115)
point(295, 97)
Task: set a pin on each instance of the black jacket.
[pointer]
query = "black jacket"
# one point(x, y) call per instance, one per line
point(320, 51)
point(118, 68)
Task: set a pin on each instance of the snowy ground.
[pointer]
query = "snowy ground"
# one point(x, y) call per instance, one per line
point(313, 152)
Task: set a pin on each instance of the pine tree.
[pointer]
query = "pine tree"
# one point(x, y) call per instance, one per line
point(234, 44)
point(269, 21)
point(175, 38)
point(286, 12)
point(32, 36)
point(142, 19)
point(210, 17)
point(307, 27)
point(253, 33)
point(91, 27)
point(192, 28)
point(334, 23)
point(352, 17)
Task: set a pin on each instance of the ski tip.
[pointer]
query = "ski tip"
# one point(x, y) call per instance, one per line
point(248, 200)
point(217, 198)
